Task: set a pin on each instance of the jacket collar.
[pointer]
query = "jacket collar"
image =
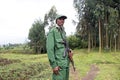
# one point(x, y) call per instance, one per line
point(60, 27)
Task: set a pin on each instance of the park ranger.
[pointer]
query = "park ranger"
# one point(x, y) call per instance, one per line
point(56, 50)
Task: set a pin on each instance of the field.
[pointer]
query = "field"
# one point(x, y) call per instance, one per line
point(16, 66)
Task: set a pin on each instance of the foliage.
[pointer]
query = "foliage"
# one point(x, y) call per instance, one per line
point(37, 36)
point(73, 41)
point(37, 32)
point(16, 48)
point(50, 17)
point(76, 42)
point(99, 21)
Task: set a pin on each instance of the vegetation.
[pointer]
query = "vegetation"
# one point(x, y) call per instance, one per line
point(23, 67)
point(98, 29)
point(99, 23)
point(37, 34)
point(37, 37)
point(108, 64)
point(16, 48)
point(98, 26)
point(50, 17)
point(36, 67)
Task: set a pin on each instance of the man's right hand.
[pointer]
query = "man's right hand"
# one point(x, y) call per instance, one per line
point(56, 70)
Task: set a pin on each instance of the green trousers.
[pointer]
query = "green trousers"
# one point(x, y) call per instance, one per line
point(63, 74)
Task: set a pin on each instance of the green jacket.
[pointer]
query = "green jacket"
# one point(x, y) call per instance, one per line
point(55, 48)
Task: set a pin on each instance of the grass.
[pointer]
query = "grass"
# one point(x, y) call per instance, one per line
point(108, 64)
point(36, 67)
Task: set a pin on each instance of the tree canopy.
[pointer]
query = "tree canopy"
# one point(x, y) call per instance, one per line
point(37, 36)
point(99, 23)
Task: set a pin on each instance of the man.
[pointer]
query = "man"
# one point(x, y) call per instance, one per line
point(56, 50)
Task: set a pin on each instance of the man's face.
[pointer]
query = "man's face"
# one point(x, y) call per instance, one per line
point(60, 21)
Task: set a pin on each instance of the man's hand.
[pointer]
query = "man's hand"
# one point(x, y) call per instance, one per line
point(70, 55)
point(56, 70)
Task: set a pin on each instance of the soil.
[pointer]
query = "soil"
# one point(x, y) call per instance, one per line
point(91, 74)
point(4, 61)
point(75, 74)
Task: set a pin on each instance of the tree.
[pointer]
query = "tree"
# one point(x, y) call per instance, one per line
point(99, 21)
point(37, 36)
point(86, 24)
point(37, 32)
point(50, 17)
point(74, 42)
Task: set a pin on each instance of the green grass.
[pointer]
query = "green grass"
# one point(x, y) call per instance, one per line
point(108, 64)
point(36, 66)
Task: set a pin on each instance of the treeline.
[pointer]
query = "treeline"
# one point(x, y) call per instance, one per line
point(16, 48)
point(37, 34)
point(97, 27)
point(99, 23)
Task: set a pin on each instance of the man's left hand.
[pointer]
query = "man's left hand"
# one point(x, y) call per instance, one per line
point(70, 55)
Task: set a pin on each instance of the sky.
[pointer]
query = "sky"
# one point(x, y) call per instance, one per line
point(17, 17)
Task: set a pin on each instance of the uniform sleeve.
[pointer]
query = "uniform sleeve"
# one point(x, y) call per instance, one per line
point(50, 49)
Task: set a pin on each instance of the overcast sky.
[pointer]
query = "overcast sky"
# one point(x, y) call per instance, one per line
point(17, 16)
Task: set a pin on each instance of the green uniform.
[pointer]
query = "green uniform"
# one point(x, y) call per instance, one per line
point(55, 51)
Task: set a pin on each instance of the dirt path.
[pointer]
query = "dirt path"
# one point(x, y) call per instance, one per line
point(74, 74)
point(91, 74)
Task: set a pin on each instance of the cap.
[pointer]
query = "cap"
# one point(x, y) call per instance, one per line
point(61, 16)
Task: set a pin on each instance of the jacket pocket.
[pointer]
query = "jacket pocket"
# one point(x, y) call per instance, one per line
point(59, 43)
